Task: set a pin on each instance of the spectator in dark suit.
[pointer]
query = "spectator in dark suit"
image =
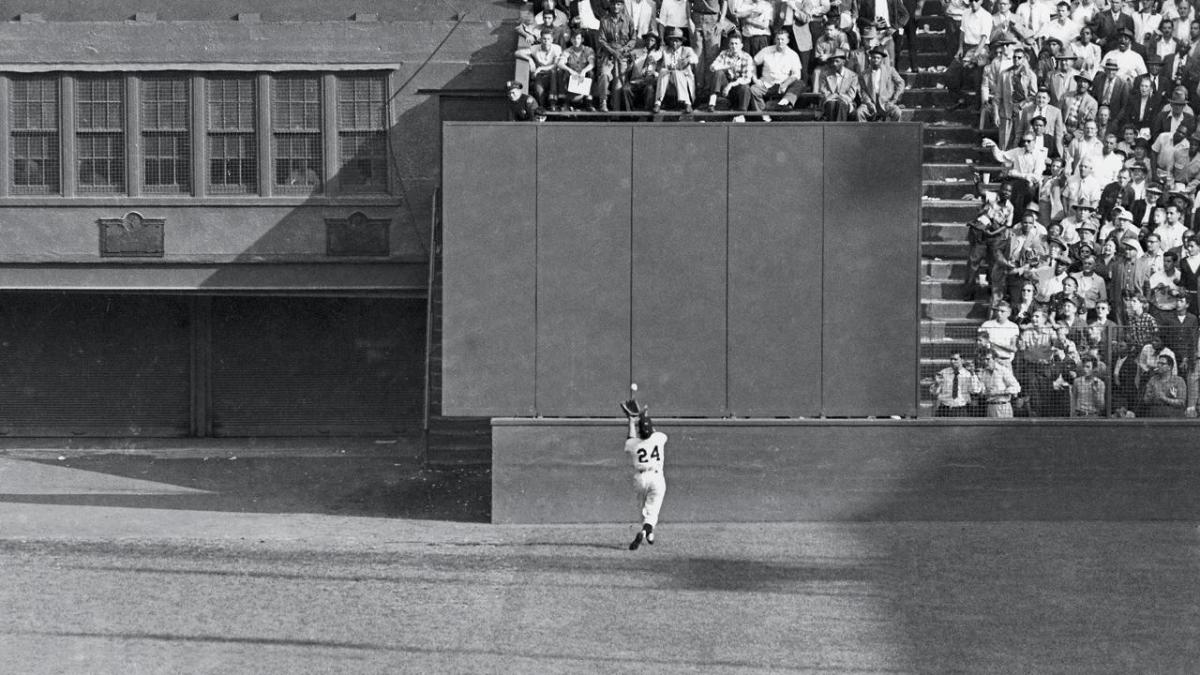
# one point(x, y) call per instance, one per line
point(1108, 25)
point(1159, 83)
point(1116, 193)
point(1142, 108)
point(1179, 330)
point(897, 17)
point(1175, 115)
point(1110, 89)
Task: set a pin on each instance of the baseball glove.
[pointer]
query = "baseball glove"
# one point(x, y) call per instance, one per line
point(631, 408)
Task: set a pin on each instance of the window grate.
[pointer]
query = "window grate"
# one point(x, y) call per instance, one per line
point(232, 143)
point(362, 133)
point(34, 145)
point(100, 135)
point(166, 148)
point(296, 133)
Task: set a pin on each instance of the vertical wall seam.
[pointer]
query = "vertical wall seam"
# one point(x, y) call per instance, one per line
point(728, 160)
point(537, 175)
point(821, 290)
point(632, 185)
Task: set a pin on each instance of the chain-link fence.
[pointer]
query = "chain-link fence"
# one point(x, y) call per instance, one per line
point(1144, 369)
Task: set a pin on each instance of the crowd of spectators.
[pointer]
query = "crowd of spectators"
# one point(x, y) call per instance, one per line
point(745, 56)
point(1087, 248)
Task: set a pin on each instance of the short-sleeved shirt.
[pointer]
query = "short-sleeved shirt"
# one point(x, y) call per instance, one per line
point(777, 65)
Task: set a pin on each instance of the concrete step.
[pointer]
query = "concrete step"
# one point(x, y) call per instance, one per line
point(943, 233)
point(946, 250)
point(943, 115)
point(948, 210)
point(942, 310)
point(929, 57)
point(935, 332)
point(930, 42)
point(942, 269)
point(923, 78)
point(941, 289)
point(959, 134)
point(960, 170)
point(924, 97)
point(955, 152)
point(954, 189)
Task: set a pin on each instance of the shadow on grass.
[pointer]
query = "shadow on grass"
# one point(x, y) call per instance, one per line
point(373, 486)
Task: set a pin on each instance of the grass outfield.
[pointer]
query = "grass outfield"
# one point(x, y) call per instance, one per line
point(116, 590)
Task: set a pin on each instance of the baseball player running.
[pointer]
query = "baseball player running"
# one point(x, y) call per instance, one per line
point(646, 447)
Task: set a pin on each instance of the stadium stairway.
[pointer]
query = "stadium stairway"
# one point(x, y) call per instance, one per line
point(952, 156)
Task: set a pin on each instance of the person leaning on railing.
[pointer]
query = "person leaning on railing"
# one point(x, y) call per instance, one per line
point(1087, 391)
point(1165, 394)
point(521, 106)
point(954, 387)
point(999, 386)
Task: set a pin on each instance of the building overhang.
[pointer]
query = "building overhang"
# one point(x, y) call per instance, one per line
point(393, 280)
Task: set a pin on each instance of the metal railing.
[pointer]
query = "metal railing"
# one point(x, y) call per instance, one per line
point(1054, 371)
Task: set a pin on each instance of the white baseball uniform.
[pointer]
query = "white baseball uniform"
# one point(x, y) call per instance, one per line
point(649, 482)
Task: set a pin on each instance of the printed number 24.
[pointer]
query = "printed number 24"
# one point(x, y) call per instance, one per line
point(653, 454)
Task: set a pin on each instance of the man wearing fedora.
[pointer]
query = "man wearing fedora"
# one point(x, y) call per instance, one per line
point(1159, 84)
point(839, 89)
point(881, 88)
point(1061, 81)
point(641, 80)
point(675, 74)
point(1177, 113)
point(1109, 87)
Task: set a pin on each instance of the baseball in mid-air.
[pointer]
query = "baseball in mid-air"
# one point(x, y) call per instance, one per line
point(633, 386)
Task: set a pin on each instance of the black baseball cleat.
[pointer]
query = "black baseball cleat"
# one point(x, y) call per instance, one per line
point(649, 531)
point(637, 541)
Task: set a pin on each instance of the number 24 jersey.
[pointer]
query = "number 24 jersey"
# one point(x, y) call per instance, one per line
point(647, 454)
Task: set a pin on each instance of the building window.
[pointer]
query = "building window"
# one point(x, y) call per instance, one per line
point(166, 154)
point(34, 131)
point(362, 133)
point(100, 133)
point(296, 133)
point(232, 145)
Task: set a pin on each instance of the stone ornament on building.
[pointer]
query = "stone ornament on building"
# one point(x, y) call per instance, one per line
point(132, 235)
point(357, 235)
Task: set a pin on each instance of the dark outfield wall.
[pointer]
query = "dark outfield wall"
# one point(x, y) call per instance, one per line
point(730, 270)
point(546, 471)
